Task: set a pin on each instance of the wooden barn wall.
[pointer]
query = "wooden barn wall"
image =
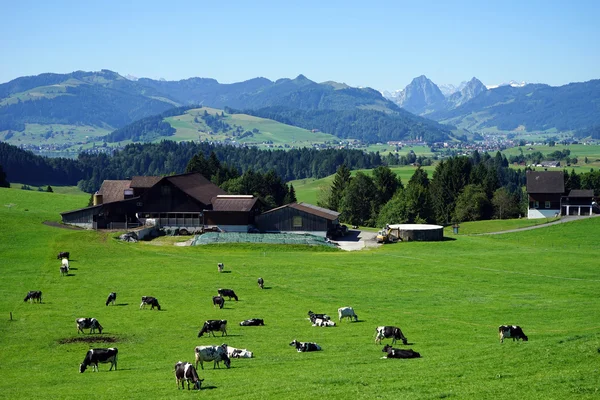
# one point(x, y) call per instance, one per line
point(81, 216)
point(283, 220)
point(228, 218)
point(175, 201)
point(542, 198)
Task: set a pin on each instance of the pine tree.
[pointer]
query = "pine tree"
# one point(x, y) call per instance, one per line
point(3, 181)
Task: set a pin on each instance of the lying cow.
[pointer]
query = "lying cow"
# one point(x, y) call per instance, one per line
point(213, 325)
point(220, 267)
point(185, 372)
point(63, 254)
point(347, 312)
point(511, 331)
point(112, 297)
point(399, 353)
point(147, 300)
point(218, 301)
point(322, 322)
point(88, 323)
point(389, 332)
point(253, 322)
point(313, 316)
point(212, 353)
point(261, 283)
point(95, 356)
point(302, 347)
point(227, 292)
point(232, 352)
point(33, 295)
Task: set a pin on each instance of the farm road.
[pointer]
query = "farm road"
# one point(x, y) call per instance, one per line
point(564, 219)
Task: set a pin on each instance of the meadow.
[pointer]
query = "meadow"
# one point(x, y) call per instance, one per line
point(448, 297)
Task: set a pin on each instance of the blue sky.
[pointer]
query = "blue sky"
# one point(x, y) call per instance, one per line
point(381, 44)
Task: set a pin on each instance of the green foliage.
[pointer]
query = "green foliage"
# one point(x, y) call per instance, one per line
point(506, 204)
point(340, 182)
point(3, 181)
point(472, 204)
point(357, 204)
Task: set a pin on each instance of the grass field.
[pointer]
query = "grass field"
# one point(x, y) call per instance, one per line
point(448, 297)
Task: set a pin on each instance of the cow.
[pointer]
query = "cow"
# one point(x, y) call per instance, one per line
point(95, 356)
point(112, 297)
point(212, 353)
point(511, 331)
point(322, 322)
point(64, 270)
point(399, 353)
point(313, 316)
point(252, 322)
point(185, 372)
point(261, 283)
point(65, 263)
point(63, 254)
point(153, 302)
point(232, 352)
point(33, 295)
point(302, 347)
point(88, 323)
point(218, 301)
point(347, 312)
point(227, 292)
point(213, 325)
point(220, 267)
point(389, 332)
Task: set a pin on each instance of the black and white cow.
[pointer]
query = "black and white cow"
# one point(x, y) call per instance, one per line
point(95, 356)
point(212, 353)
point(63, 254)
point(64, 270)
point(65, 263)
point(302, 347)
point(314, 316)
point(261, 283)
point(253, 322)
point(220, 267)
point(347, 312)
point(232, 352)
point(112, 297)
point(227, 292)
point(88, 323)
point(218, 301)
point(185, 372)
point(33, 295)
point(213, 325)
point(399, 353)
point(322, 322)
point(389, 332)
point(147, 300)
point(511, 331)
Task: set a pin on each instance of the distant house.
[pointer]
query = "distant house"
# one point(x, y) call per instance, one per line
point(578, 202)
point(298, 218)
point(545, 190)
point(549, 164)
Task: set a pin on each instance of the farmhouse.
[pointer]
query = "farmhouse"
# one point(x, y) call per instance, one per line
point(298, 218)
point(578, 202)
point(545, 190)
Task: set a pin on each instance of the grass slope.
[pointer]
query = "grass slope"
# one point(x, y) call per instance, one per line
point(448, 297)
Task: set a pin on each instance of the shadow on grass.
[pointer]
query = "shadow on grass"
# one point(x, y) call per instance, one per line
point(448, 239)
point(208, 387)
point(70, 275)
point(71, 268)
point(225, 272)
point(122, 304)
point(267, 288)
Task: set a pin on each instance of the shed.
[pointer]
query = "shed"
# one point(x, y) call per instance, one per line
point(578, 202)
point(298, 218)
point(232, 213)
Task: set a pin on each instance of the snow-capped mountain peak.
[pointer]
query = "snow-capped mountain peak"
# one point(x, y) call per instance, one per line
point(510, 83)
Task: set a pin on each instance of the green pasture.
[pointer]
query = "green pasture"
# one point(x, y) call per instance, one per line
point(495, 225)
point(57, 134)
point(448, 297)
point(384, 149)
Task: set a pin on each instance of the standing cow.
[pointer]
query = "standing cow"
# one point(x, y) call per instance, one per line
point(393, 332)
point(147, 300)
point(218, 301)
point(33, 295)
point(347, 312)
point(212, 325)
point(88, 323)
point(185, 372)
point(63, 254)
point(511, 331)
point(212, 353)
point(112, 297)
point(220, 267)
point(227, 292)
point(261, 283)
point(95, 356)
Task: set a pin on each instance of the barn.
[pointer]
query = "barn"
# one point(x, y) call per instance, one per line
point(578, 202)
point(298, 218)
point(545, 190)
point(232, 213)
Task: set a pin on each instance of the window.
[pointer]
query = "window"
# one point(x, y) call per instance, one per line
point(536, 204)
point(547, 204)
point(297, 222)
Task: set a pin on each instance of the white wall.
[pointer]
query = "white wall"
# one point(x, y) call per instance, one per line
point(534, 213)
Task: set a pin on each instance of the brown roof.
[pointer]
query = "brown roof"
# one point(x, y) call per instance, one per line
point(144, 181)
point(233, 203)
point(310, 209)
point(545, 182)
point(113, 190)
point(581, 193)
point(196, 186)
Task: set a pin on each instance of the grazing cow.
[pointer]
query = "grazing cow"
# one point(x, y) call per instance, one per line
point(95, 356)
point(347, 312)
point(212, 353)
point(322, 322)
point(227, 292)
point(232, 352)
point(63, 254)
point(313, 316)
point(88, 323)
point(261, 283)
point(252, 322)
point(220, 267)
point(302, 347)
point(147, 300)
point(185, 372)
point(64, 270)
point(511, 331)
point(65, 263)
point(112, 297)
point(399, 353)
point(213, 325)
point(33, 295)
point(218, 301)
point(389, 332)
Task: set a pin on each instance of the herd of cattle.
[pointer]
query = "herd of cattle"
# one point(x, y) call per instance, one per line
point(187, 372)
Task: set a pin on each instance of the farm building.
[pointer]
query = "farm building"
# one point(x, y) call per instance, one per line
point(298, 218)
point(578, 202)
point(545, 190)
point(232, 213)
